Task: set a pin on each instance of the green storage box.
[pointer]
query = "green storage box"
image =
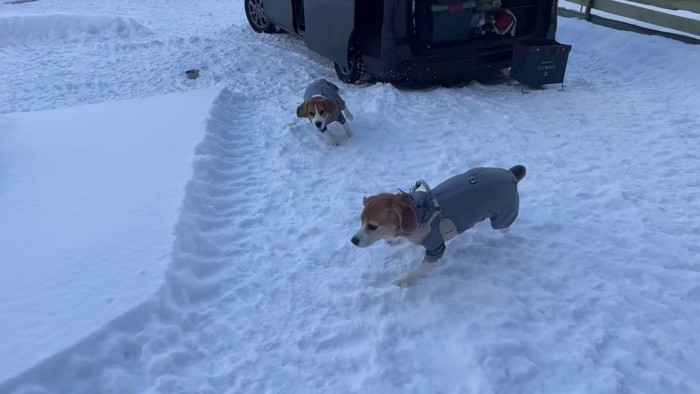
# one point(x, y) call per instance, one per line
point(446, 21)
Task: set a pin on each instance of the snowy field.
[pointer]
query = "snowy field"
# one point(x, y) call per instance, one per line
point(158, 236)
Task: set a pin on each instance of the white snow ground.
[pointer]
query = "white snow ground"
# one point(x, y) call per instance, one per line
point(595, 290)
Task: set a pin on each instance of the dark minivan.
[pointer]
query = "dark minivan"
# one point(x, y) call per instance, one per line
point(427, 41)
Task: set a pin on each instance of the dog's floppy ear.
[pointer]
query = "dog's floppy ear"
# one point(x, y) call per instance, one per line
point(407, 216)
point(301, 110)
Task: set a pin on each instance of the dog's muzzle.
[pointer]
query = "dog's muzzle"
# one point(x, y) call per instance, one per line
point(355, 240)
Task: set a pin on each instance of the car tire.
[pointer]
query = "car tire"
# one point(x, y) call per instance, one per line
point(255, 13)
point(355, 73)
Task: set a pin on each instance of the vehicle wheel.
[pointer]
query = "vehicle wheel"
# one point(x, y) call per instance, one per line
point(256, 17)
point(355, 73)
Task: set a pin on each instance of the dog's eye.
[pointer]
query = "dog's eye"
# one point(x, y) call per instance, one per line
point(311, 113)
point(372, 227)
point(321, 112)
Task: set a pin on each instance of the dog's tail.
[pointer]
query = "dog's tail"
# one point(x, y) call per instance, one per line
point(519, 171)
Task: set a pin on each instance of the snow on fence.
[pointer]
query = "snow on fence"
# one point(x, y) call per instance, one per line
point(643, 13)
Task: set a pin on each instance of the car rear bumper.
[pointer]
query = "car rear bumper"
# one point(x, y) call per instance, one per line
point(398, 62)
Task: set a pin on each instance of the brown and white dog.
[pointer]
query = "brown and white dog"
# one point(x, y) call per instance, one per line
point(323, 106)
point(433, 217)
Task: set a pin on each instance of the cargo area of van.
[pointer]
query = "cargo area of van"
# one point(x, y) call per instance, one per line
point(449, 23)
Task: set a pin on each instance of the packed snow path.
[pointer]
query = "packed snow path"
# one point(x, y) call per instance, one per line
point(596, 289)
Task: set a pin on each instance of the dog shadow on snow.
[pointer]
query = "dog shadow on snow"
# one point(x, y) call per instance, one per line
point(473, 256)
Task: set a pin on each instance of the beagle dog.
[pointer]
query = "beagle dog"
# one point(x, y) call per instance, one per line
point(430, 218)
point(322, 106)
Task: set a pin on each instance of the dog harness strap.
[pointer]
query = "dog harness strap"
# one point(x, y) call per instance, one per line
point(437, 210)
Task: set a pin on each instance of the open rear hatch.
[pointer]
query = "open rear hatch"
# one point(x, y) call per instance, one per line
point(452, 26)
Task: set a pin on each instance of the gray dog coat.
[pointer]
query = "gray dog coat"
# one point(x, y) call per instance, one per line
point(322, 87)
point(466, 199)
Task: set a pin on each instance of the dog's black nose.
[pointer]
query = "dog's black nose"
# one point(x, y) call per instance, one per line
point(355, 240)
point(318, 124)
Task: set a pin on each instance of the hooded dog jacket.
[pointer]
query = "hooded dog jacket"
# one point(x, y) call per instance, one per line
point(321, 87)
point(467, 199)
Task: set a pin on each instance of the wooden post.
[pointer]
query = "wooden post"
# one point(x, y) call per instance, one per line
point(587, 13)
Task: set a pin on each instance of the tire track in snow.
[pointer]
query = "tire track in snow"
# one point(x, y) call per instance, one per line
point(218, 221)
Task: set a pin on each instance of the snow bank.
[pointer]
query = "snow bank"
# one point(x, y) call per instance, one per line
point(151, 339)
point(88, 200)
point(25, 30)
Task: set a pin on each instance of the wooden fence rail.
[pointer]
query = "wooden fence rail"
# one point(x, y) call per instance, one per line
point(643, 14)
point(675, 5)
